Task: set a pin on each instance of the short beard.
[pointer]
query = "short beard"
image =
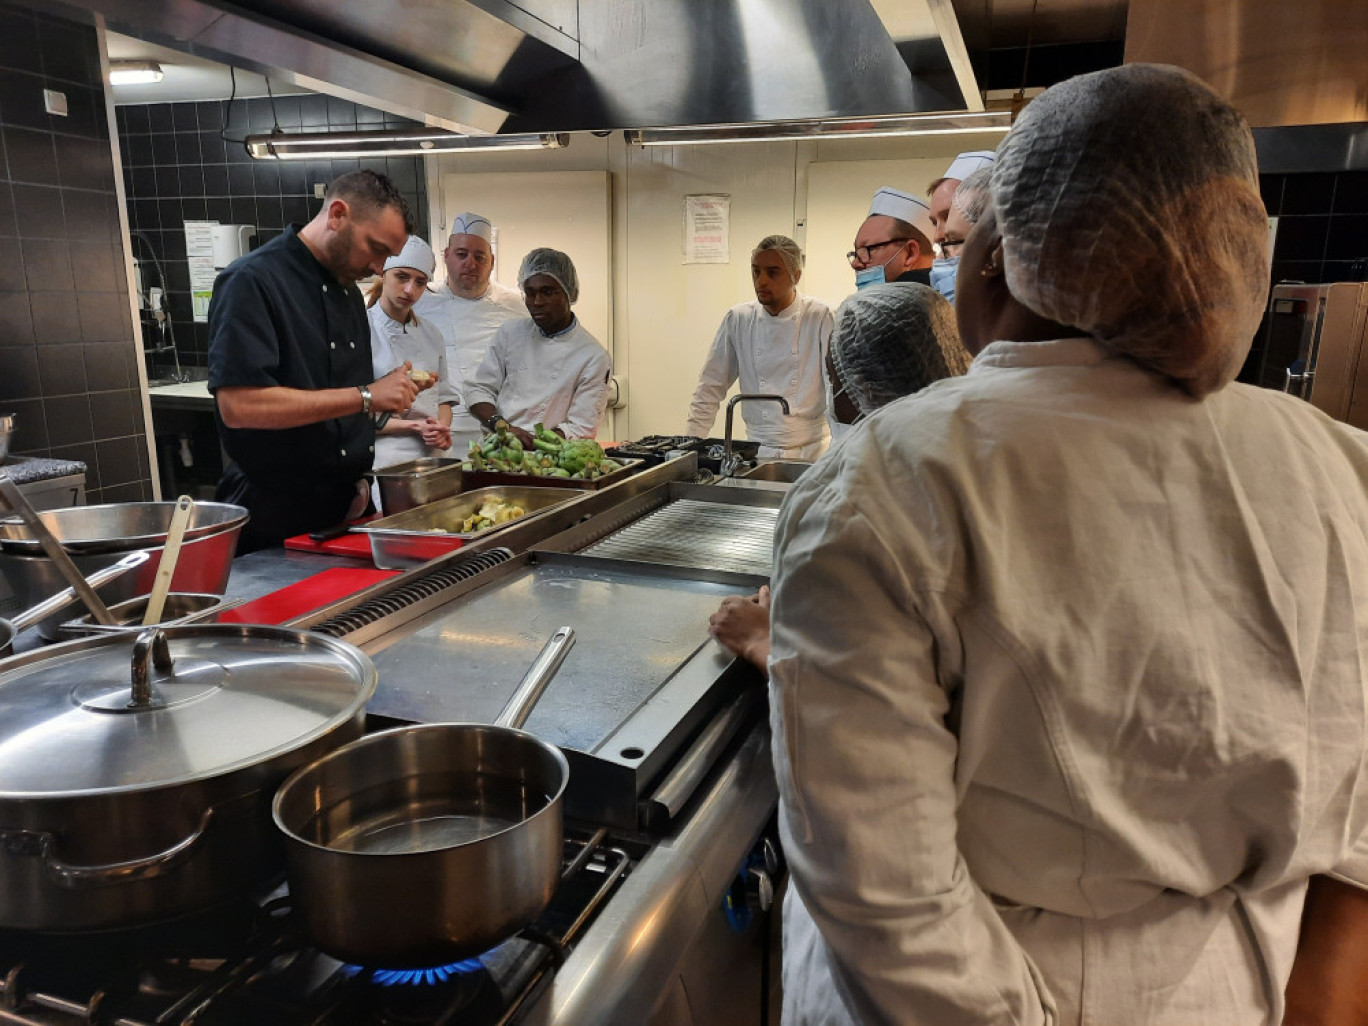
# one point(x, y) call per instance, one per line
point(336, 251)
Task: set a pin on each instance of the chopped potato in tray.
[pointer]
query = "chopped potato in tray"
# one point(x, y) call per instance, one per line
point(488, 515)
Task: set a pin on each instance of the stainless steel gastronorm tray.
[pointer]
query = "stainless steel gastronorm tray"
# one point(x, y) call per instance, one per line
point(417, 535)
point(696, 533)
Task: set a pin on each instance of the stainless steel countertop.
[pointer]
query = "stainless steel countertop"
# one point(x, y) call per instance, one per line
point(262, 572)
point(635, 630)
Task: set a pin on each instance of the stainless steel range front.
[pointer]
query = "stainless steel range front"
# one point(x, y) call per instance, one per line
point(669, 864)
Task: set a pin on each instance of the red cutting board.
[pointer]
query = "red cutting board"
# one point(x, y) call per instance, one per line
point(357, 546)
point(307, 595)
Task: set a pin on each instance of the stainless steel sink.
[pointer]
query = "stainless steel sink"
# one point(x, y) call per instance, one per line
point(783, 471)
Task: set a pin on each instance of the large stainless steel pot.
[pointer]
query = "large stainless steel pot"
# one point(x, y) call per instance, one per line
point(423, 845)
point(136, 778)
point(96, 536)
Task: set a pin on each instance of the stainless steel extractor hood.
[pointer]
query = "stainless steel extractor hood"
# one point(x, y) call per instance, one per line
point(549, 66)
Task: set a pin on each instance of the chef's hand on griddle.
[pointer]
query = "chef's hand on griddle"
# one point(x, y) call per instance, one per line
point(394, 393)
point(742, 625)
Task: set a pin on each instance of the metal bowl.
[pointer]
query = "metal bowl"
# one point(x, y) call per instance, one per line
point(119, 526)
point(181, 608)
point(205, 561)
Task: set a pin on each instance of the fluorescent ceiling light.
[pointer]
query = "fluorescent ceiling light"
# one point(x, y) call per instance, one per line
point(134, 72)
point(826, 128)
point(401, 143)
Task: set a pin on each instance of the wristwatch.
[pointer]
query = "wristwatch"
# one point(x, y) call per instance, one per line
point(491, 422)
point(365, 400)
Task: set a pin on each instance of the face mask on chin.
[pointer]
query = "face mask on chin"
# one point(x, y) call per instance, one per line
point(872, 275)
point(943, 273)
point(869, 276)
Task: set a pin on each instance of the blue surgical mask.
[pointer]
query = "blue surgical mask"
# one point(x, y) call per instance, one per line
point(943, 276)
point(869, 276)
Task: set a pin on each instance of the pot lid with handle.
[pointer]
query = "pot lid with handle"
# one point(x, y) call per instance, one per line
point(179, 704)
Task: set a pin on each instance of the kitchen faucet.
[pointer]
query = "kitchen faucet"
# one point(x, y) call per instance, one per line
point(730, 462)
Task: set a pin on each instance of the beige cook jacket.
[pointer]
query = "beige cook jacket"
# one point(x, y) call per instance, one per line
point(1068, 691)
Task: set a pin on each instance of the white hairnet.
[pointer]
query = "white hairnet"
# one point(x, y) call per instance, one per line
point(554, 263)
point(786, 248)
point(972, 195)
point(1129, 208)
point(895, 339)
point(416, 254)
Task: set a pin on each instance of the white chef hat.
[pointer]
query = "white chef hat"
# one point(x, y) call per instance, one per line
point(891, 202)
point(472, 224)
point(416, 254)
point(967, 163)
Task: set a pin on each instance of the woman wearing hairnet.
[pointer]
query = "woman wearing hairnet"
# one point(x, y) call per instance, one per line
point(1068, 653)
point(890, 341)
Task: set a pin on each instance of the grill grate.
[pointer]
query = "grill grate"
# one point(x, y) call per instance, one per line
point(391, 602)
point(690, 532)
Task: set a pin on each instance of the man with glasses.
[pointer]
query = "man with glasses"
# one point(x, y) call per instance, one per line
point(467, 310)
point(894, 242)
point(946, 215)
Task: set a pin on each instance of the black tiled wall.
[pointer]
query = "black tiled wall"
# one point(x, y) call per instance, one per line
point(68, 358)
point(178, 167)
point(1322, 236)
point(1322, 225)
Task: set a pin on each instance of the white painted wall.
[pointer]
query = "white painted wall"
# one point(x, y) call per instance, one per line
point(665, 313)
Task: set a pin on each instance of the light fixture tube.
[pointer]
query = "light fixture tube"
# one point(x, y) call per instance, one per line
point(134, 72)
point(827, 128)
point(401, 143)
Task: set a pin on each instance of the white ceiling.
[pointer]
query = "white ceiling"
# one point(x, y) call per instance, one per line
point(185, 77)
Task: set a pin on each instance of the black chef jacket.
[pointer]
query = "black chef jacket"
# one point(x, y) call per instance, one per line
point(922, 276)
point(278, 317)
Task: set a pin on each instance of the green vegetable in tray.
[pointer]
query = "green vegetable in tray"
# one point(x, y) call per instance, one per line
point(549, 456)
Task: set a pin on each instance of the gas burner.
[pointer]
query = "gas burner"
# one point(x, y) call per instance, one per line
point(410, 996)
point(249, 962)
point(414, 977)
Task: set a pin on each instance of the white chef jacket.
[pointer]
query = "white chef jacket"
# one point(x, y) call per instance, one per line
point(1068, 698)
point(468, 326)
point(779, 354)
point(421, 344)
point(560, 381)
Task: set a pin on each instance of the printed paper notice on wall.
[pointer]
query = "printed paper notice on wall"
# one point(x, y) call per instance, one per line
point(199, 252)
point(707, 229)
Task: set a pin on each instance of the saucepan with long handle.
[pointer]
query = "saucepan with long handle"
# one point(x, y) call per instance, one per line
point(423, 845)
point(10, 629)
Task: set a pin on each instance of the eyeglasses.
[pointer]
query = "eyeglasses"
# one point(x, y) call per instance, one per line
point(950, 247)
point(861, 254)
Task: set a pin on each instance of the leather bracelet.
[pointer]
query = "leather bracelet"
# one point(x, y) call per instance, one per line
point(365, 400)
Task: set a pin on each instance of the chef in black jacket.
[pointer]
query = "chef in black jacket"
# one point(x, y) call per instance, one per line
point(290, 364)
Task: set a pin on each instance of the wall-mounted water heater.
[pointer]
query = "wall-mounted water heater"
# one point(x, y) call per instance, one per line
point(230, 242)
